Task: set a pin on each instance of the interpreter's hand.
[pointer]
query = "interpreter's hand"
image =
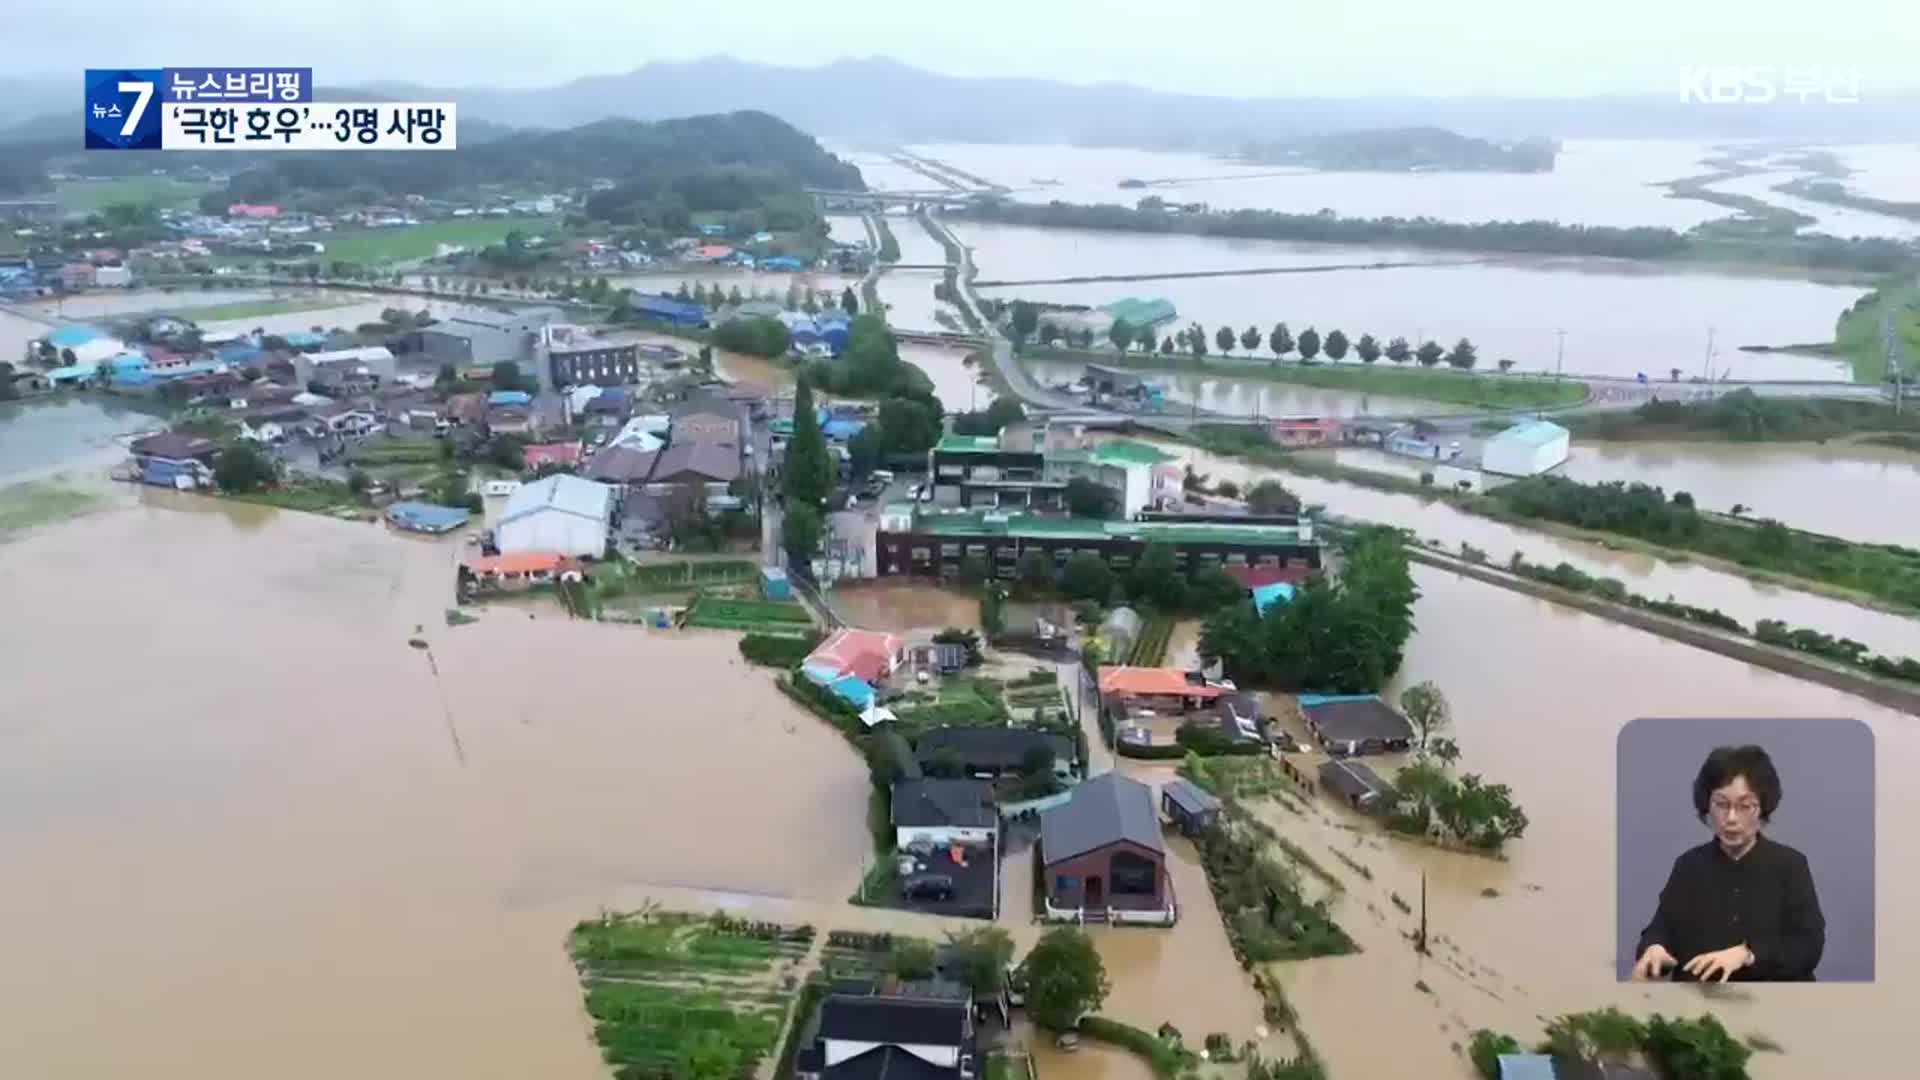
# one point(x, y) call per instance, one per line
point(1723, 963)
point(1654, 963)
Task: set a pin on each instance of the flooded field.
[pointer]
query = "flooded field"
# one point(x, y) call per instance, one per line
point(900, 604)
point(1883, 171)
point(1857, 491)
point(955, 382)
point(846, 229)
point(908, 295)
point(1833, 220)
point(1745, 600)
point(1510, 309)
point(916, 244)
point(267, 835)
point(1021, 252)
point(1538, 695)
point(1250, 397)
point(66, 433)
point(1594, 182)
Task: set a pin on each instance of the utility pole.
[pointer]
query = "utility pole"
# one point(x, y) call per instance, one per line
point(1560, 356)
point(1708, 363)
point(1896, 367)
point(1420, 940)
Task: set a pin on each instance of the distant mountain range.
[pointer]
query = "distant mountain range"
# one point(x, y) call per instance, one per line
point(884, 100)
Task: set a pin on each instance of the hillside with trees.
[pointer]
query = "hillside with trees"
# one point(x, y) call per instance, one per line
point(1412, 149)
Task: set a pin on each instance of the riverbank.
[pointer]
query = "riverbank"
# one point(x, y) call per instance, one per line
point(1492, 392)
point(1860, 338)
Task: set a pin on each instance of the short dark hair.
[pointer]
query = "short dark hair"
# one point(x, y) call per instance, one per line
point(1729, 763)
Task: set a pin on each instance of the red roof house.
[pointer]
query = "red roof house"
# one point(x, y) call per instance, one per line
point(869, 655)
point(539, 457)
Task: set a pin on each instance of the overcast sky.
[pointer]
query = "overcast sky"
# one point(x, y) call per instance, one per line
point(1228, 47)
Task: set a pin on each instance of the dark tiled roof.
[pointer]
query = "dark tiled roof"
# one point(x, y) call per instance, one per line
point(716, 462)
point(991, 747)
point(888, 1063)
point(885, 1019)
point(173, 444)
point(1358, 721)
point(1352, 780)
point(1189, 796)
point(621, 465)
point(965, 804)
point(1105, 810)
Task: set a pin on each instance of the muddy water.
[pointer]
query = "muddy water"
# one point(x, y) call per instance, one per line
point(908, 295)
point(66, 432)
point(1594, 182)
point(1858, 491)
point(1249, 397)
point(1884, 171)
point(1833, 220)
point(955, 382)
point(1539, 694)
point(265, 836)
point(846, 229)
point(900, 605)
point(1511, 309)
point(107, 303)
point(1744, 600)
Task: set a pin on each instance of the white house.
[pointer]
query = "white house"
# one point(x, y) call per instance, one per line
point(117, 277)
point(925, 1032)
point(943, 812)
point(560, 513)
point(1526, 449)
point(262, 431)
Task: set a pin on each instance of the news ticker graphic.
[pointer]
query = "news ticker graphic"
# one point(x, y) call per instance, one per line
point(249, 109)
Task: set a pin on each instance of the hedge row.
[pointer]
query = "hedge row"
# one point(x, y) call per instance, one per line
point(778, 650)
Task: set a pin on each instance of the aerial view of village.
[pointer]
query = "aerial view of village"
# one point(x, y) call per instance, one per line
point(875, 570)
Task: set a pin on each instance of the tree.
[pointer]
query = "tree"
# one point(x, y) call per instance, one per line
point(1166, 346)
point(1086, 498)
point(1426, 709)
point(1280, 340)
point(1121, 334)
point(508, 451)
point(1309, 345)
point(1065, 979)
point(683, 294)
point(973, 570)
point(1336, 346)
point(7, 392)
point(506, 376)
point(1212, 589)
point(1463, 355)
point(1675, 372)
point(911, 959)
point(1144, 337)
point(979, 957)
point(1429, 353)
point(908, 425)
point(1367, 348)
point(1156, 579)
point(848, 302)
point(1087, 577)
point(1049, 333)
point(792, 302)
point(1397, 350)
point(1024, 319)
point(1270, 497)
point(1250, 339)
point(1701, 1049)
point(1505, 365)
point(808, 470)
point(1486, 1049)
point(734, 298)
point(240, 468)
point(1224, 337)
point(1036, 569)
point(864, 451)
point(1197, 341)
point(800, 530)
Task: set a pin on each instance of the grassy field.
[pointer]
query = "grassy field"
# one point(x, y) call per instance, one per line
point(159, 190)
point(419, 241)
point(678, 995)
point(254, 309)
point(725, 613)
point(1858, 338)
point(36, 503)
point(313, 497)
point(424, 450)
point(1426, 384)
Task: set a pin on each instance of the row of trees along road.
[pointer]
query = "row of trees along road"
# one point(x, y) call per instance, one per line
point(1027, 320)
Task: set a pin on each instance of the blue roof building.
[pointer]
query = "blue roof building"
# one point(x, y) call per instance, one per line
point(239, 353)
point(509, 397)
point(426, 517)
point(713, 230)
point(782, 262)
point(848, 688)
point(303, 340)
point(664, 308)
point(1265, 596)
point(68, 337)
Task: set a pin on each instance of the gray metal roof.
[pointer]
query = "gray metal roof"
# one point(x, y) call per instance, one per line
point(1104, 810)
point(567, 494)
point(717, 462)
point(925, 803)
point(1189, 796)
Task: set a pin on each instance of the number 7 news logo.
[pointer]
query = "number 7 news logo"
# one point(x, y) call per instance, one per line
point(121, 112)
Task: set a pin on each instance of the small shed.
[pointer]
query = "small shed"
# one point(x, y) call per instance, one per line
point(1358, 786)
point(774, 584)
point(1189, 807)
point(426, 517)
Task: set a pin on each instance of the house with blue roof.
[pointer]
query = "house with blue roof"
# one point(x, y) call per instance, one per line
point(663, 308)
point(783, 262)
point(509, 397)
point(426, 517)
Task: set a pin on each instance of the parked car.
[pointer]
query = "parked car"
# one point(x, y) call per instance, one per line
point(927, 887)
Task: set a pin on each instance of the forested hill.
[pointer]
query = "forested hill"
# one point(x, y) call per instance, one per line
point(757, 149)
point(1405, 150)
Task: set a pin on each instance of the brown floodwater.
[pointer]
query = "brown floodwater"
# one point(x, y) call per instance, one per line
point(1745, 600)
point(1855, 490)
point(903, 604)
point(1539, 694)
point(237, 804)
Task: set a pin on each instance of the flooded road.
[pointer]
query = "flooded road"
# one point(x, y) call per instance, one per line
point(1745, 600)
point(267, 839)
point(1251, 397)
point(1538, 695)
point(955, 382)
